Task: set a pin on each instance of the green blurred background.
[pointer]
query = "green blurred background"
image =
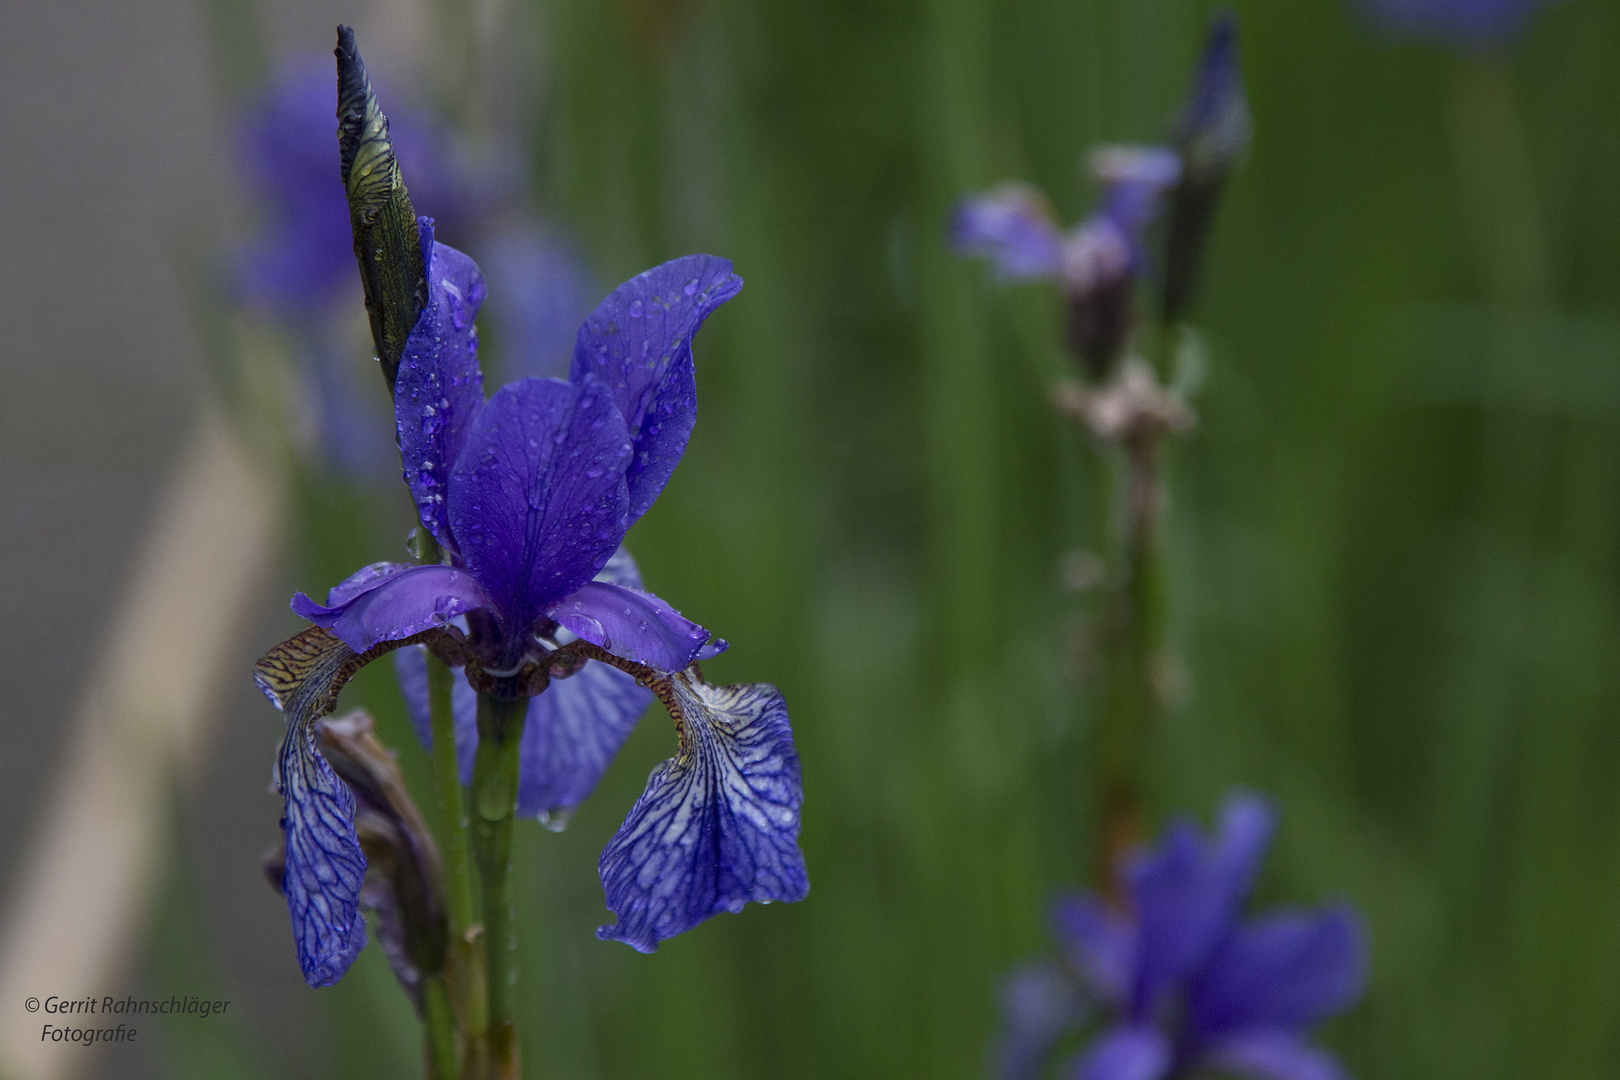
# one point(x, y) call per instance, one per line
point(1394, 539)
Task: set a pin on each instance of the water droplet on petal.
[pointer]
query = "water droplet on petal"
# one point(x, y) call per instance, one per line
point(556, 819)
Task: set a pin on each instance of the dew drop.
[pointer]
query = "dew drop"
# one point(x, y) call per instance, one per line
point(556, 819)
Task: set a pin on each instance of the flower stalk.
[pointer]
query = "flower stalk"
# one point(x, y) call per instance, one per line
point(494, 799)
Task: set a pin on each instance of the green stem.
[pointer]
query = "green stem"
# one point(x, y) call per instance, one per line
point(1133, 629)
point(494, 799)
point(441, 1029)
point(465, 962)
point(447, 787)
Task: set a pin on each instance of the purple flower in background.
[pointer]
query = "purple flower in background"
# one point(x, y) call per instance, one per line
point(1183, 982)
point(530, 494)
point(542, 292)
point(1468, 24)
point(302, 262)
point(1096, 263)
point(300, 267)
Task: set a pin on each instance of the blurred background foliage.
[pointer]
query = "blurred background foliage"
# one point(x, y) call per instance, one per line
point(1395, 537)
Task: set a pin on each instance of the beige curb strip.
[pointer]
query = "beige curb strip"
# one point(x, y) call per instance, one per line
point(85, 888)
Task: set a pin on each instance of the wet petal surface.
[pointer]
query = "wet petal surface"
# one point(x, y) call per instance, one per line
point(633, 624)
point(396, 605)
point(538, 496)
point(718, 824)
point(639, 342)
point(439, 388)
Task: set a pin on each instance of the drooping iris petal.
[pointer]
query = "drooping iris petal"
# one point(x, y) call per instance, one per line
point(1273, 1055)
point(1289, 970)
point(439, 388)
point(631, 623)
point(542, 291)
point(325, 866)
point(410, 667)
point(639, 342)
point(1187, 893)
point(538, 495)
point(1039, 1005)
point(574, 730)
point(1100, 944)
point(1135, 1052)
point(718, 824)
point(1012, 226)
point(396, 605)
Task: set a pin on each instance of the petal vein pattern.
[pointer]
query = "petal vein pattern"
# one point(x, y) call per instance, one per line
point(325, 867)
point(574, 731)
point(717, 825)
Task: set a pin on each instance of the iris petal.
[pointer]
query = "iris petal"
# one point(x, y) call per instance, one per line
point(1288, 970)
point(718, 824)
point(1039, 1005)
point(1012, 226)
point(410, 667)
point(1101, 945)
point(574, 731)
point(1125, 1053)
point(1187, 894)
point(538, 495)
point(1273, 1055)
point(325, 866)
point(631, 623)
point(396, 605)
point(439, 388)
point(363, 580)
point(638, 341)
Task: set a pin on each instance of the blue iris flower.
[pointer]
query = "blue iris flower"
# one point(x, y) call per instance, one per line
point(529, 494)
point(1179, 981)
point(1467, 24)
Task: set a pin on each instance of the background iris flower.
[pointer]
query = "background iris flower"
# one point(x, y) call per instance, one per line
point(1178, 979)
point(1468, 24)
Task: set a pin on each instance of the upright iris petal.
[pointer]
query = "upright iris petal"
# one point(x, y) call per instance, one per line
point(439, 387)
point(639, 342)
point(538, 494)
point(718, 824)
point(1186, 894)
